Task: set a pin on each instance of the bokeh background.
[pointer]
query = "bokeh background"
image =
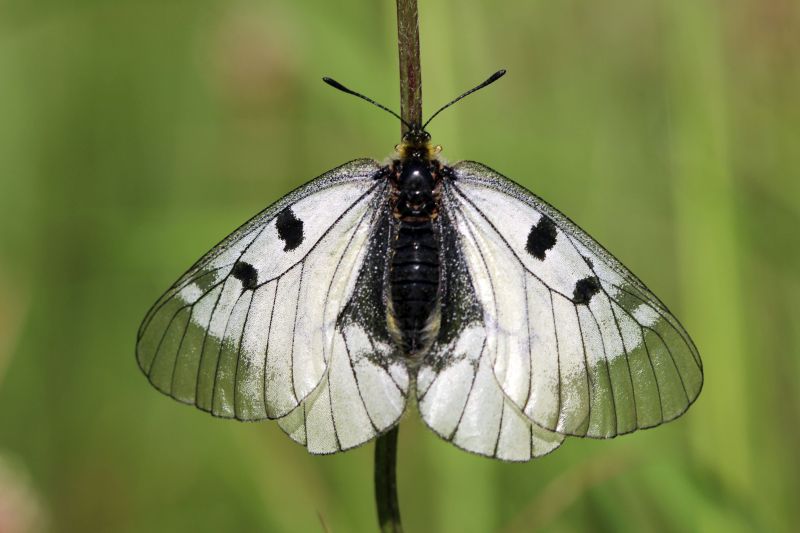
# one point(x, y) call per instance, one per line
point(134, 134)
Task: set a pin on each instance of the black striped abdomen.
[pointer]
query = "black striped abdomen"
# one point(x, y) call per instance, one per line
point(414, 281)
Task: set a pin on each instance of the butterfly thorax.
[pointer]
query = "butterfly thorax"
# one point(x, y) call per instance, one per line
point(414, 267)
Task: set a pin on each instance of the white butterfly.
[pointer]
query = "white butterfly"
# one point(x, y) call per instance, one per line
point(373, 284)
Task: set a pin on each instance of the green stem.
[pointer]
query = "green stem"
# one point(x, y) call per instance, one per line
point(386, 482)
point(410, 71)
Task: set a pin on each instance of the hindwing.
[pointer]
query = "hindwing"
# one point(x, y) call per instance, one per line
point(458, 395)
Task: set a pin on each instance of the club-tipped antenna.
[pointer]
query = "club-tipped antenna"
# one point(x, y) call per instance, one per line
point(493, 78)
point(336, 85)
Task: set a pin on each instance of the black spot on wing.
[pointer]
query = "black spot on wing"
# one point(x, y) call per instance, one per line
point(585, 289)
point(541, 238)
point(290, 229)
point(247, 274)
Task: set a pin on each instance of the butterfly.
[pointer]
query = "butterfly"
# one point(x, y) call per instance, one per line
point(451, 287)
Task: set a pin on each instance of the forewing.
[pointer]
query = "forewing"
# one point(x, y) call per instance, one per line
point(458, 395)
point(251, 329)
point(577, 343)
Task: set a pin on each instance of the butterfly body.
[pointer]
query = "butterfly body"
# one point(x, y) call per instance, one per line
point(414, 272)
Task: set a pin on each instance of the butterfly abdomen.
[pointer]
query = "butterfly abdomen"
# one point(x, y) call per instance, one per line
point(414, 275)
point(414, 281)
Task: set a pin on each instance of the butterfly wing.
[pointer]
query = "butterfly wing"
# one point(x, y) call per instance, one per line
point(363, 394)
point(575, 341)
point(458, 396)
point(254, 329)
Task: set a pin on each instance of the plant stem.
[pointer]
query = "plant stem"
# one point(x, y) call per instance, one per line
point(386, 482)
point(410, 72)
point(411, 111)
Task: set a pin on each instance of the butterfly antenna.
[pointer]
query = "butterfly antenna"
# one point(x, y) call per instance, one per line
point(336, 85)
point(493, 78)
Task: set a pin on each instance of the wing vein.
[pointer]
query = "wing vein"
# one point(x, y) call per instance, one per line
point(163, 336)
point(266, 349)
point(221, 347)
point(655, 376)
point(530, 343)
point(608, 369)
point(294, 330)
point(239, 355)
point(627, 359)
point(558, 357)
point(585, 369)
point(330, 408)
point(178, 351)
point(203, 345)
point(469, 393)
point(358, 384)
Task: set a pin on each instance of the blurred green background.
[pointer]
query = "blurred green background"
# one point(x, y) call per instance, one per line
point(134, 134)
